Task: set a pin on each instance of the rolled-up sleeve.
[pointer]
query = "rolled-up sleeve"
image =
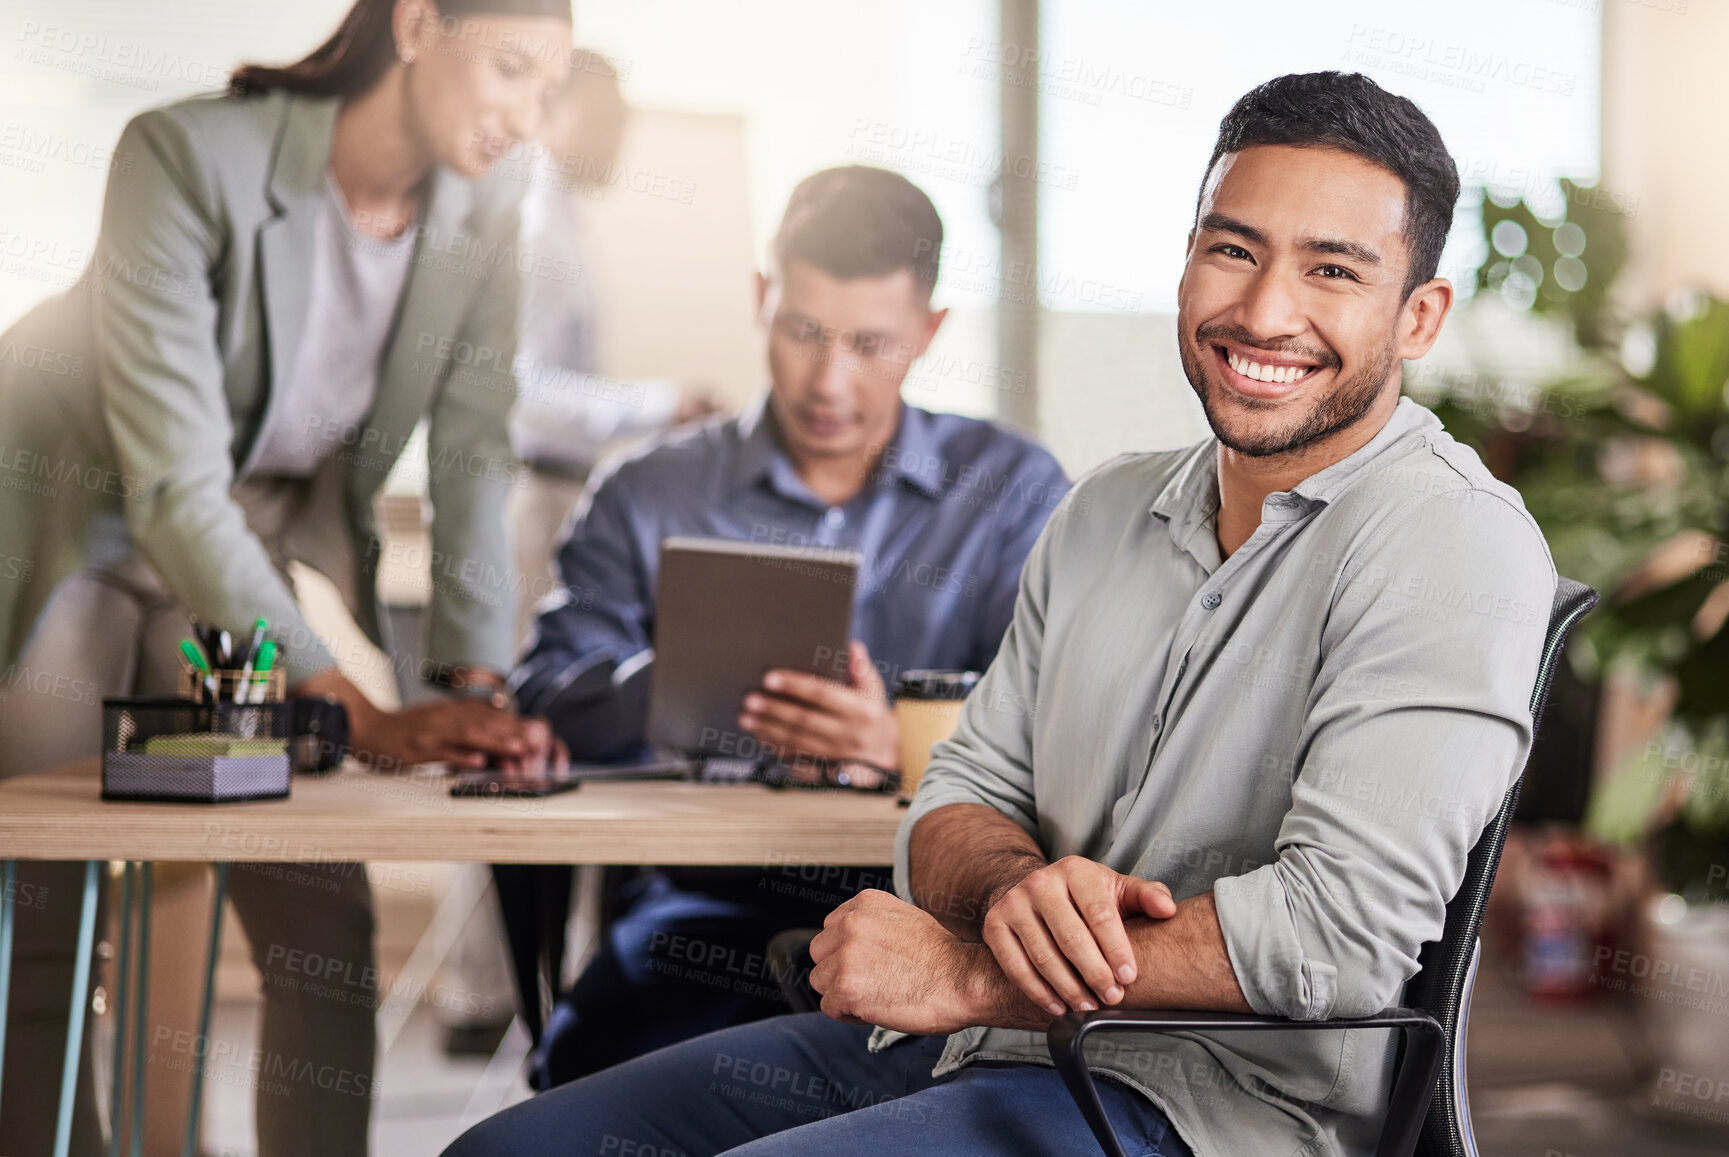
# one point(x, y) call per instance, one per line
point(989, 759)
point(1417, 723)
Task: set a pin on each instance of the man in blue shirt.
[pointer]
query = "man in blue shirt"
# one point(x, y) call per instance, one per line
point(942, 508)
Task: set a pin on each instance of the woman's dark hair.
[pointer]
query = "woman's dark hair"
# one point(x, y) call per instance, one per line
point(363, 46)
point(1351, 113)
point(859, 221)
point(351, 61)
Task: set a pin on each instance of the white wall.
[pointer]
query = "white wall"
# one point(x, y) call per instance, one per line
point(668, 246)
point(72, 72)
point(1665, 121)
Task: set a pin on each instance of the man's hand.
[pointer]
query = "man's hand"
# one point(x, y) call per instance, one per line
point(1059, 935)
point(804, 715)
point(882, 961)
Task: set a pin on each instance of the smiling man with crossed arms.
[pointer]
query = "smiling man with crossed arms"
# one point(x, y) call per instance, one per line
point(1257, 701)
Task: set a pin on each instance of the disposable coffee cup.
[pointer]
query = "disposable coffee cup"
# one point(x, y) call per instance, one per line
point(927, 708)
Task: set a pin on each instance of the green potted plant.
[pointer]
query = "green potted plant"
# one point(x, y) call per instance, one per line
point(1624, 462)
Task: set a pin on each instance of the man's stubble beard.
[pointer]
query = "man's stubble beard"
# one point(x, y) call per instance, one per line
point(1345, 406)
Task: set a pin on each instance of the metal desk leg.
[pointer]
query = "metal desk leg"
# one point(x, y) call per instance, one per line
point(140, 1006)
point(122, 991)
point(202, 1042)
point(80, 1002)
point(8, 881)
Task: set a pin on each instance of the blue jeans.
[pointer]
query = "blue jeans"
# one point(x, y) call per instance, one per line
point(796, 1085)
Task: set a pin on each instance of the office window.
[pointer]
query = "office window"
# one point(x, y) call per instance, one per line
point(1132, 94)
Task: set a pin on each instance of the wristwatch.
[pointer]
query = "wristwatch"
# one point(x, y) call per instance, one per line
point(318, 734)
point(486, 690)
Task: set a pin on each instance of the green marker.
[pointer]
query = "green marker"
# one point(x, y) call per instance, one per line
point(242, 693)
point(196, 657)
point(266, 660)
point(259, 626)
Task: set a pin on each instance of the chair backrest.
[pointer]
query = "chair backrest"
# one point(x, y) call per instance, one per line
point(1448, 966)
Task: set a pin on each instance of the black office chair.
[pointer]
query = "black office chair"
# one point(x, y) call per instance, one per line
point(1438, 997)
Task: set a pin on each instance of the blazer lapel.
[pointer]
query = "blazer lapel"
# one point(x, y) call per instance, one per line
point(286, 241)
point(442, 281)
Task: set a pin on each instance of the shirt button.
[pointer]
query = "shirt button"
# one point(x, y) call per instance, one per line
point(1158, 723)
point(1212, 601)
point(835, 518)
point(1182, 666)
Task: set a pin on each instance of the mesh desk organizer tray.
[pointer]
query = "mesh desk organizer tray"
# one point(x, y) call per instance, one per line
point(191, 750)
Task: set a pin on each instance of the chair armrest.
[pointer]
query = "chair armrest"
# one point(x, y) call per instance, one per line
point(788, 957)
point(1413, 1081)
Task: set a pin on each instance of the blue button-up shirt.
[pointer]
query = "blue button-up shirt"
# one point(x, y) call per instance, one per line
point(943, 523)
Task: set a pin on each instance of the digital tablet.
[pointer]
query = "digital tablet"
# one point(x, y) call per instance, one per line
point(728, 612)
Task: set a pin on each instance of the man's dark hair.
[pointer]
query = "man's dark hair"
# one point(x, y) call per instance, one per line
point(857, 221)
point(1349, 112)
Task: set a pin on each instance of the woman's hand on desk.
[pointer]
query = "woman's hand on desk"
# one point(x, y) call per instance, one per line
point(465, 733)
point(799, 714)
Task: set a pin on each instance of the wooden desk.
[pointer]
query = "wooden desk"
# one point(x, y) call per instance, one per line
point(356, 815)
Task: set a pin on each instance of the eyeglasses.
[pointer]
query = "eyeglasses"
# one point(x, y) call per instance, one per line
point(809, 772)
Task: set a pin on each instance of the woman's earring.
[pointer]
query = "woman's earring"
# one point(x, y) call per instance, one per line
point(408, 56)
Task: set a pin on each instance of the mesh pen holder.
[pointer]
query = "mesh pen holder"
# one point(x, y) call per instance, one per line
point(188, 751)
point(233, 685)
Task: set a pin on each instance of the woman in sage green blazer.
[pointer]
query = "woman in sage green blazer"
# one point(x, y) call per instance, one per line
point(164, 458)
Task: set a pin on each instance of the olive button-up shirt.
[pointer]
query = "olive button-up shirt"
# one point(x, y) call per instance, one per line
point(1315, 730)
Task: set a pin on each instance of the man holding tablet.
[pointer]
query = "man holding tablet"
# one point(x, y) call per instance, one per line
point(942, 509)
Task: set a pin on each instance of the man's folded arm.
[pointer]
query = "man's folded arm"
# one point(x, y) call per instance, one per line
point(1418, 719)
point(973, 824)
point(958, 889)
point(972, 833)
point(1182, 964)
point(1417, 722)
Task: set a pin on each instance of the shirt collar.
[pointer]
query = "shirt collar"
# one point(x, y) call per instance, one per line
point(1190, 496)
point(1189, 500)
point(1325, 485)
point(1193, 486)
point(914, 455)
point(757, 451)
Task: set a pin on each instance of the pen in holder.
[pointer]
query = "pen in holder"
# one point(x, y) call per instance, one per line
point(231, 689)
point(227, 737)
point(232, 685)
